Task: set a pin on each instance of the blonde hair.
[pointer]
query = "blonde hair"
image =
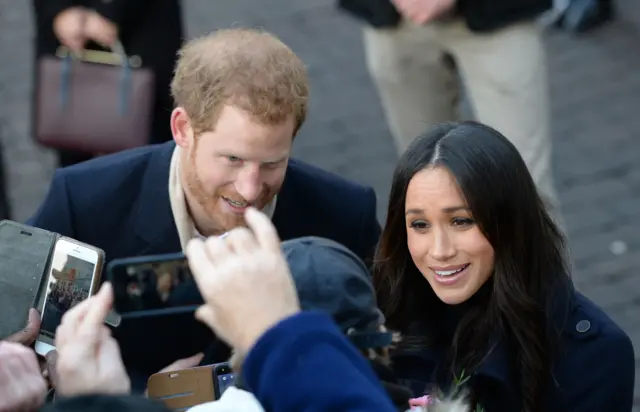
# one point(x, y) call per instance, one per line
point(251, 70)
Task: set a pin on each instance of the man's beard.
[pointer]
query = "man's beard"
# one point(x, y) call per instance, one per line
point(217, 221)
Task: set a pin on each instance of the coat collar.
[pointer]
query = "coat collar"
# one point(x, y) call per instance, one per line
point(289, 213)
point(496, 365)
point(153, 219)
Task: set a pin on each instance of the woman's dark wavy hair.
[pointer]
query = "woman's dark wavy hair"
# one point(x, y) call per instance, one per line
point(529, 255)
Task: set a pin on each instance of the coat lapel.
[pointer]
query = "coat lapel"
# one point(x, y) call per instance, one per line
point(288, 217)
point(153, 219)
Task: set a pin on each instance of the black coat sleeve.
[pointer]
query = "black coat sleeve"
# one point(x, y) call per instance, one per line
point(121, 12)
point(47, 10)
point(489, 15)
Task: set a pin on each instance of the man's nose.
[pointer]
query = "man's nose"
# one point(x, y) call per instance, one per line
point(249, 184)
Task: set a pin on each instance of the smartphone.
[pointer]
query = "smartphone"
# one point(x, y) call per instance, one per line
point(182, 389)
point(223, 378)
point(74, 275)
point(153, 284)
point(156, 298)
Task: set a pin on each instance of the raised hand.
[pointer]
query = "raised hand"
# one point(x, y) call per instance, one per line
point(244, 280)
point(88, 358)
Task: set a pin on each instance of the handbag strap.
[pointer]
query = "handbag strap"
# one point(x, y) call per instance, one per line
point(125, 83)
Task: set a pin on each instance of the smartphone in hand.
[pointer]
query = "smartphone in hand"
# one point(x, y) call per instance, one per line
point(74, 275)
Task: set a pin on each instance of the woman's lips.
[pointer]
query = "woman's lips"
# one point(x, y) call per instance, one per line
point(450, 274)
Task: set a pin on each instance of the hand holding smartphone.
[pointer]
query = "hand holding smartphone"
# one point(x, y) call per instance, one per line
point(74, 275)
point(156, 297)
point(185, 388)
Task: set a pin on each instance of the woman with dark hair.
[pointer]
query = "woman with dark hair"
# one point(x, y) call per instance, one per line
point(480, 289)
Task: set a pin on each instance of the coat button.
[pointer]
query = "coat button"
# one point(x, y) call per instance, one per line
point(583, 326)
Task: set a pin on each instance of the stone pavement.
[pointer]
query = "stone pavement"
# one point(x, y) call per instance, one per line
point(596, 96)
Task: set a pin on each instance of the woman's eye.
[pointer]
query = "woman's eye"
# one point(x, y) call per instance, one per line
point(462, 221)
point(233, 159)
point(418, 224)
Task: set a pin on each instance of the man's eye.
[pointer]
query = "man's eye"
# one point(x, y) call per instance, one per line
point(233, 159)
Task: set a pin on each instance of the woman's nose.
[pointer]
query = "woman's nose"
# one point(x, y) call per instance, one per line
point(442, 248)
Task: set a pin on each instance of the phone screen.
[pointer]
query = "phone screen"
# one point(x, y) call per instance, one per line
point(154, 285)
point(225, 378)
point(70, 282)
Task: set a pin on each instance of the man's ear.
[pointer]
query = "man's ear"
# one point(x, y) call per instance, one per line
point(181, 128)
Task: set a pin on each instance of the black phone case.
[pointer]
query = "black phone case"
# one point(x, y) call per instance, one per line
point(25, 253)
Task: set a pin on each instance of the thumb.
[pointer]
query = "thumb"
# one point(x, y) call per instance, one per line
point(206, 315)
point(29, 334)
point(33, 323)
point(191, 361)
point(184, 363)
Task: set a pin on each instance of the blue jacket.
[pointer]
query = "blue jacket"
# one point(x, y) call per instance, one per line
point(120, 203)
point(306, 364)
point(594, 369)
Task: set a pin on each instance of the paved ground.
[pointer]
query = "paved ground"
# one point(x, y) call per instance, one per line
point(596, 95)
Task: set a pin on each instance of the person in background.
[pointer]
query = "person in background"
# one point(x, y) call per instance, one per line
point(420, 53)
point(472, 271)
point(149, 29)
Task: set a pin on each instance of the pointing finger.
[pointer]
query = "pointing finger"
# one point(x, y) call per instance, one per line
point(200, 263)
point(263, 229)
point(99, 307)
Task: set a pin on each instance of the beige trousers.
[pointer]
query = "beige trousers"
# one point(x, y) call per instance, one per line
point(504, 73)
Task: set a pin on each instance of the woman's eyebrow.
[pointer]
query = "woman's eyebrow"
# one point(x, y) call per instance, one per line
point(449, 209)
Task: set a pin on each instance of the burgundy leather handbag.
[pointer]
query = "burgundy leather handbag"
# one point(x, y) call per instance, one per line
point(97, 103)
